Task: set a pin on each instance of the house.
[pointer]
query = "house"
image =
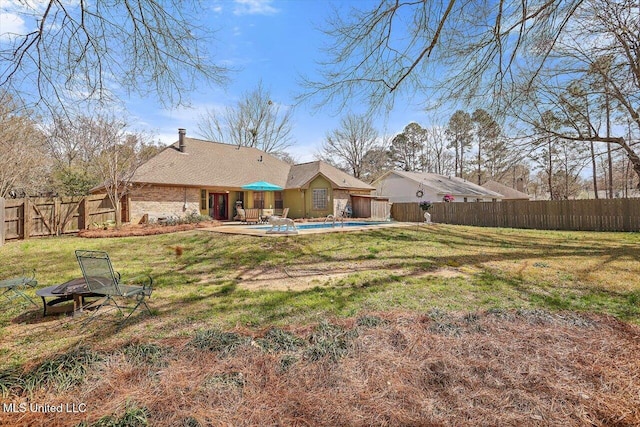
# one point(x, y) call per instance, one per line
point(401, 186)
point(508, 193)
point(194, 175)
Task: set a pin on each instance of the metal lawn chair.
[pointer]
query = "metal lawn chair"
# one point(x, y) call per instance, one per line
point(14, 287)
point(102, 280)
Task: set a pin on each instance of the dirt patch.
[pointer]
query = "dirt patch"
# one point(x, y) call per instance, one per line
point(144, 229)
point(289, 279)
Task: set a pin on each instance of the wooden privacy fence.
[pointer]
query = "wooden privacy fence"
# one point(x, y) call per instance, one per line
point(593, 215)
point(37, 217)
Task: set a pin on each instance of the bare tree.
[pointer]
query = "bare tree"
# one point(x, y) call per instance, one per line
point(72, 144)
point(402, 47)
point(486, 53)
point(71, 141)
point(255, 121)
point(441, 160)
point(121, 154)
point(23, 157)
point(72, 51)
point(349, 144)
point(594, 71)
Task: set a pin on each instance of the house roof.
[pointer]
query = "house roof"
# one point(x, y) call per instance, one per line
point(442, 185)
point(301, 175)
point(507, 192)
point(213, 164)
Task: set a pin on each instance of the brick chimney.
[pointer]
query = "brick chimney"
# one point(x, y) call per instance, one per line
point(181, 143)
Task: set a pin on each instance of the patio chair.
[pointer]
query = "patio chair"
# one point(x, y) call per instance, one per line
point(285, 212)
point(252, 215)
point(102, 280)
point(241, 216)
point(14, 287)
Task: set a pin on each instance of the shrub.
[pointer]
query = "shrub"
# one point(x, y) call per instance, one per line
point(63, 371)
point(329, 341)
point(217, 341)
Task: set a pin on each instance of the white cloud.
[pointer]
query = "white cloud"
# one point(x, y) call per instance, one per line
point(254, 7)
point(11, 24)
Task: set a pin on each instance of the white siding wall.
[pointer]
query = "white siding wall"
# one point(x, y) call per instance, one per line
point(399, 189)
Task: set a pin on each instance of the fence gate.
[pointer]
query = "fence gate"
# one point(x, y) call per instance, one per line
point(37, 217)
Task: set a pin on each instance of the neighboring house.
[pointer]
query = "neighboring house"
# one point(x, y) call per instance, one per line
point(508, 193)
point(400, 186)
point(194, 175)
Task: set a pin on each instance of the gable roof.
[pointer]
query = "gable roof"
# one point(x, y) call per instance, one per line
point(507, 192)
point(214, 164)
point(442, 185)
point(301, 175)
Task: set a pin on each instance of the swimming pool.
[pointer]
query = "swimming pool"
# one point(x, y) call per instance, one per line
point(328, 224)
point(306, 228)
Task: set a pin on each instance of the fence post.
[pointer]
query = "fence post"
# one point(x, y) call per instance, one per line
point(56, 218)
point(2, 224)
point(26, 218)
point(83, 218)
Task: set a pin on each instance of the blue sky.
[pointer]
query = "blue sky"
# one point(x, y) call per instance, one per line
point(270, 41)
point(274, 42)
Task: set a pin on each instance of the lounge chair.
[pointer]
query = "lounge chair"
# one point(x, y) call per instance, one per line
point(102, 280)
point(15, 286)
point(241, 216)
point(285, 212)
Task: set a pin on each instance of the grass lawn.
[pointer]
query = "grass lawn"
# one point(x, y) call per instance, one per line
point(438, 324)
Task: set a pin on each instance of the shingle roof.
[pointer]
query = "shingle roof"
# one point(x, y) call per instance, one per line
point(507, 192)
point(213, 164)
point(449, 185)
point(301, 174)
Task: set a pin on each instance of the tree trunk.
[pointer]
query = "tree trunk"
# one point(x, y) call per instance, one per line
point(609, 159)
point(633, 158)
point(594, 171)
point(550, 171)
point(479, 164)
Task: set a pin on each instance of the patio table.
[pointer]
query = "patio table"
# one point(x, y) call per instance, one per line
point(75, 290)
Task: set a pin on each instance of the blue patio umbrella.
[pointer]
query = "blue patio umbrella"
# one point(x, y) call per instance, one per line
point(262, 186)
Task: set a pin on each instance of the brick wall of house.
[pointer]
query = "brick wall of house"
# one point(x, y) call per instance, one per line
point(161, 201)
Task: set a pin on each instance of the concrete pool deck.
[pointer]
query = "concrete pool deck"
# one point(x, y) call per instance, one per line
point(261, 229)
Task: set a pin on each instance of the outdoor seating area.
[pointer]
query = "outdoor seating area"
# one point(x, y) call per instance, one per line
point(258, 216)
point(102, 280)
point(99, 281)
point(75, 290)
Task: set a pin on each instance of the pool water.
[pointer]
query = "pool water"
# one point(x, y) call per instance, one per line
point(328, 224)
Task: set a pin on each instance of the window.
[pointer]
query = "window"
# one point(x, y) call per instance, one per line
point(203, 200)
point(278, 200)
point(258, 199)
point(319, 198)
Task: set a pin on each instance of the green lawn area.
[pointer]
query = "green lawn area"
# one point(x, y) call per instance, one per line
point(206, 281)
point(227, 280)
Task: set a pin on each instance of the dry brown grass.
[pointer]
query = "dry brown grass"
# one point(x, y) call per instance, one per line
point(494, 368)
point(128, 230)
